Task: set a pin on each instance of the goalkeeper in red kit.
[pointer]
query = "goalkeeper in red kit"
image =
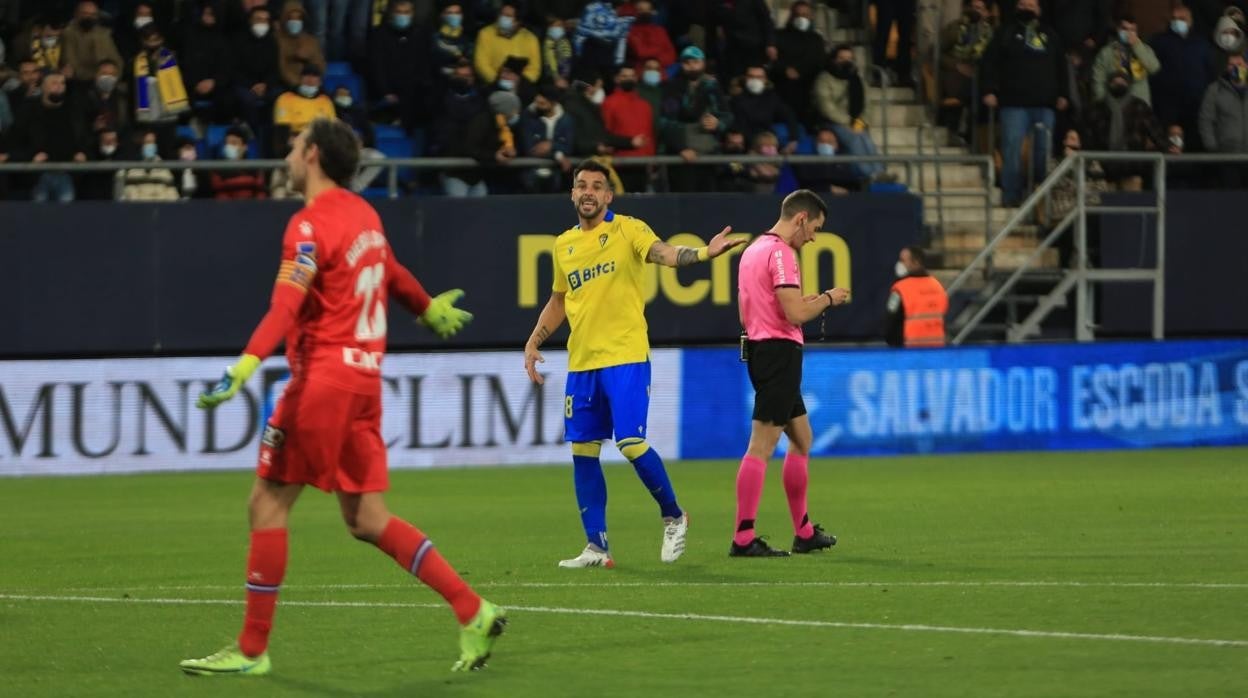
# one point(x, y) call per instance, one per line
point(329, 304)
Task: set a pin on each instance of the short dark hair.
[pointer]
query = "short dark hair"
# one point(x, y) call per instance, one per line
point(338, 149)
point(803, 200)
point(240, 132)
point(841, 47)
point(917, 254)
point(106, 61)
point(1126, 17)
point(592, 166)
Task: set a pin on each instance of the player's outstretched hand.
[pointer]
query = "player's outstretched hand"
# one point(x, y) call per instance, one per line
point(230, 383)
point(533, 357)
point(443, 317)
point(722, 243)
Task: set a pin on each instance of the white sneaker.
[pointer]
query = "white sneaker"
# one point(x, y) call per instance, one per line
point(674, 538)
point(589, 558)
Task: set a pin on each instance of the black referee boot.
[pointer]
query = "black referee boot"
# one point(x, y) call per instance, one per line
point(817, 541)
point(757, 548)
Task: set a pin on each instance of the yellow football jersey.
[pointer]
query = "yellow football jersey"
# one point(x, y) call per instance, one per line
point(600, 271)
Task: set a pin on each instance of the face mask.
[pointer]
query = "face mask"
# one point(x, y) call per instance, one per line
point(597, 96)
point(506, 23)
point(900, 269)
point(628, 85)
point(294, 26)
point(309, 91)
point(12, 84)
point(259, 30)
point(140, 22)
point(802, 24)
point(843, 69)
point(231, 151)
point(1025, 16)
point(186, 155)
point(453, 20)
point(106, 83)
point(768, 150)
point(513, 119)
point(1179, 27)
point(149, 151)
point(506, 85)
point(88, 23)
point(825, 149)
point(56, 98)
point(344, 101)
point(555, 33)
point(755, 86)
point(1177, 141)
point(402, 21)
point(49, 41)
point(1117, 89)
point(693, 75)
point(652, 78)
point(460, 85)
point(1124, 36)
point(108, 150)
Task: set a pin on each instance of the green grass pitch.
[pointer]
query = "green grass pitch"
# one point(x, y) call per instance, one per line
point(1125, 568)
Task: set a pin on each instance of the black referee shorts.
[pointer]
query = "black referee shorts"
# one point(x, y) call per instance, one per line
point(775, 367)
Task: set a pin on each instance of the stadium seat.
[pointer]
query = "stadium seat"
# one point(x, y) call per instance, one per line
point(339, 74)
point(782, 133)
point(188, 132)
point(787, 183)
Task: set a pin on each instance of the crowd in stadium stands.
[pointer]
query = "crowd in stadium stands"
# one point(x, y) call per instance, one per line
point(494, 80)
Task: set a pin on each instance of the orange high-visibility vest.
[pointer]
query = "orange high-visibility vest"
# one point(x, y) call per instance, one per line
point(924, 302)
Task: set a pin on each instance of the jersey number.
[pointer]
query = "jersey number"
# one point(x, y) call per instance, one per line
point(372, 322)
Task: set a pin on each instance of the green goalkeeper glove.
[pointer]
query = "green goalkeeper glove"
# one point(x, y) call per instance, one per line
point(233, 379)
point(443, 317)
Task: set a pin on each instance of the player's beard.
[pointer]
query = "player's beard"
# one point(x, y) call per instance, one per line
point(593, 213)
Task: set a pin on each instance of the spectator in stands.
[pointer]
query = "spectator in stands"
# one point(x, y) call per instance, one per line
point(254, 75)
point(50, 131)
point(159, 92)
point(540, 11)
point(829, 176)
point(104, 103)
point(900, 13)
point(503, 39)
point(694, 117)
point(648, 39)
point(764, 175)
point(150, 182)
point(758, 107)
point(1224, 120)
point(451, 42)
point(733, 177)
point(1229, 32)
point(399, 72)
point(651, 88)
point(100, 186)
point(46, 48)
point(296, 48)
point(462, 102)
point(601, 38)
point(1125, 53)
point(296, 109)
point(490, 140)
point(511, 79)
point(1187, 68)
point(800, 58)
point(1024, 73)
point(839, 100)
point(1123, 122)
point(546, 131)
point(1180, 175)
point(964, 42)
point(557, 54)
point(205, 65)
point(126, 32)
point(1081, 22)
point(27, 88)
point(749, 36)
point(626, 114)
point(86, 43)
point(355, 115)
point(237, 184)
point(188, 179)
point(342, 26)
point(584, 105)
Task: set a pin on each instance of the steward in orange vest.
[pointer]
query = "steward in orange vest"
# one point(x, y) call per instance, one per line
point(916, 305)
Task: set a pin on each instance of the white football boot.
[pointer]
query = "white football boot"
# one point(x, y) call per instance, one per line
point(588, 558)
point(674, 534)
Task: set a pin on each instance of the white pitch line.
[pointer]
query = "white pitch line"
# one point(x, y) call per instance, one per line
point(749, 620)
point(628, 585)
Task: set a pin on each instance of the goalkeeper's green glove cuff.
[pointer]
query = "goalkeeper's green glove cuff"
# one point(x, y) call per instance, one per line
point(229, 385)
point(443, 317)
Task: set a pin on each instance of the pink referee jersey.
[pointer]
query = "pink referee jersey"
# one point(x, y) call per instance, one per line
point(767, 264)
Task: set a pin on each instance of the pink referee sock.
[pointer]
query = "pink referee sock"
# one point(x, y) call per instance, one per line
point(796, 475)
point(749, 491)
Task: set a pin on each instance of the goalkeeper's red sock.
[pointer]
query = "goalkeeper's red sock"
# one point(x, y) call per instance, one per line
point(749, 491)
point(414, 551)
point(266, 566)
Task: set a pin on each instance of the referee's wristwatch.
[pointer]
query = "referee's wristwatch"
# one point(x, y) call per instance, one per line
point(831, 301)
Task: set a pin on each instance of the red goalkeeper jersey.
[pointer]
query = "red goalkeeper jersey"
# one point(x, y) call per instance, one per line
point(329, 301)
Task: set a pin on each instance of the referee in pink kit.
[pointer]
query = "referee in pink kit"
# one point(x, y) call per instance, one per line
point(773, 311)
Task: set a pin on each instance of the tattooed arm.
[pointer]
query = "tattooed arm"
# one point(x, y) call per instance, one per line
point(551, 318)
point(681, 256)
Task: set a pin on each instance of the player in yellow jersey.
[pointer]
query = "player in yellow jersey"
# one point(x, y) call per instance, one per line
point(598, 268)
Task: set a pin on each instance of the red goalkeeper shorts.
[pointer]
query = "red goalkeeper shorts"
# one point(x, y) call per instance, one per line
point(327, 437)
